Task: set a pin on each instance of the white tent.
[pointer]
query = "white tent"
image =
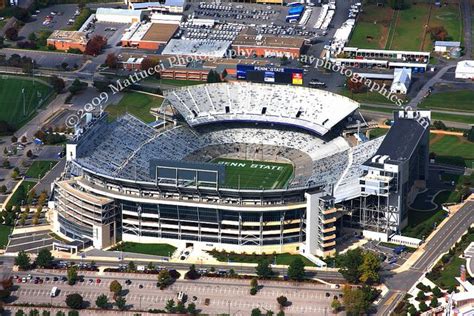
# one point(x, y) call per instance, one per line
point(465, 69)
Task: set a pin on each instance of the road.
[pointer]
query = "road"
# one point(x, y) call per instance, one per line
point(305, 298)
point(439, 244)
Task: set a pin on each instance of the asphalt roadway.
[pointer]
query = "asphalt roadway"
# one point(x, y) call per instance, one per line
point(224, 294)
point(442, 241)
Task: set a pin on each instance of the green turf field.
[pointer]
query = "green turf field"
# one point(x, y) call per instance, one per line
point(137, 104)
point(449, 17)
point(255, 174)
point(39, 168)
point(36, 93)
point(409, 30)
point(451, 100)
point(455, 150)
point(372, 28)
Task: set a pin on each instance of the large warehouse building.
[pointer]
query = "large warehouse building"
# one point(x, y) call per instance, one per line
point(241, 172)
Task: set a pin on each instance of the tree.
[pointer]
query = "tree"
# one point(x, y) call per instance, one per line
point(102, 301)
point(164, 279)
point(180, 308)
point(434, 302)
point(14, 139)
point(11, 33)
point(57, 83)
point(254, 283)
point(170, 306)
point(20, 312)
point(423, 307)
point(71, 275)
point(6, 164)
point(357, 300)
point(192, 274)
point(370, 268)
point(256, 312)
point(22, 260)
point(44, 258)
point(24, 139)
point(350, 263)
point(3, 189)
point(77, 86)
point(213, 77)
point(355, 84)
point(72, 313)
point(150, 63)
point(336, 305)
point(95, 45)
point(111, 61)
point(281, 313)
point(439, 125)
point(437, 292)
point(115, 287)
point(263, 269)
point(282, 300)
point(399, 4)
point(296, 269)
point(121, 302)
point(420, 296)
point(32, 37)
point(192, 309)
point(2, 41)
point(29, 153)
point(74, 301)
point(253, 291)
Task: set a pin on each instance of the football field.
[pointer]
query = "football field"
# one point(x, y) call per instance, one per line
point(250, 174)
point(20, 98)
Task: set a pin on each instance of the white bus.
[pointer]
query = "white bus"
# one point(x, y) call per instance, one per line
point(54, 291)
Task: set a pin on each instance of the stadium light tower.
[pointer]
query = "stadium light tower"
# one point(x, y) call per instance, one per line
point(24, 106)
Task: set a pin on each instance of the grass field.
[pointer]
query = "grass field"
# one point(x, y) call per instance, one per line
point(368, 97)
point(408, 32)
point(36, 93)
point(255, 174)
point(21, 193)
point(39, 168)
point(4, 232)
point(449, 17)
point(282, 259)
point(137, 104)
point(164, 250)
point(461, 100)
point(377, 132)
point(372, 28)
point(455, 150)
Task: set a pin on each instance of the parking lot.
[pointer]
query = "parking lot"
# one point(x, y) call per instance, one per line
point(30, 242)
point(142, 292)
point(392, 260)
point(60, 17)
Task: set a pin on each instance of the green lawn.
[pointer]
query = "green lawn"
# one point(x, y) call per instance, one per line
point(283, 258)
point(21, 193)
point(39, 168)
point(449, 272)
point(371, 30)
point(255, 174)
point(368, 97)
point(421, 223)
point(36, 93)
point(451, 149)
point(377, 132)
point(4, 232)
point(164, 250)
point(409, 30)
point(137, 104)
point(453, 100)
point(448, 17)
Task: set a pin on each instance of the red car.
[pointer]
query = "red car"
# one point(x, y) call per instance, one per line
point(98, 281)
point(18, 280)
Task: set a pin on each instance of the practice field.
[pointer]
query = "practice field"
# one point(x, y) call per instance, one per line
point(452, 100)
point(454, 150)
point(17, 107)
point(409, 30)
point(255, 174)
point(449, 17)
point(372, 27)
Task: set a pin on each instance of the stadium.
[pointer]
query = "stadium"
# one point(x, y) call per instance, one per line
point(241, 166)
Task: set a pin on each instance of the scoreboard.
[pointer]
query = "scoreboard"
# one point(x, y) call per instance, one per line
point(270, 74)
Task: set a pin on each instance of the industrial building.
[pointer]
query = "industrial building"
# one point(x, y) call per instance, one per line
point(401, 81)
point(65, 40)
point(111, 15)
point(445, 46)
point(148, 35)
point(249, 44)
point(197, 48)
point(169, 6)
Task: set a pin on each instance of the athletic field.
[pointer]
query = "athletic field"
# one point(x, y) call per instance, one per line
point(17, 107)
point(255, 174)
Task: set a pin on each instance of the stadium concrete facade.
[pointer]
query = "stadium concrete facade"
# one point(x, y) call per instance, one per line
point(126, 181)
